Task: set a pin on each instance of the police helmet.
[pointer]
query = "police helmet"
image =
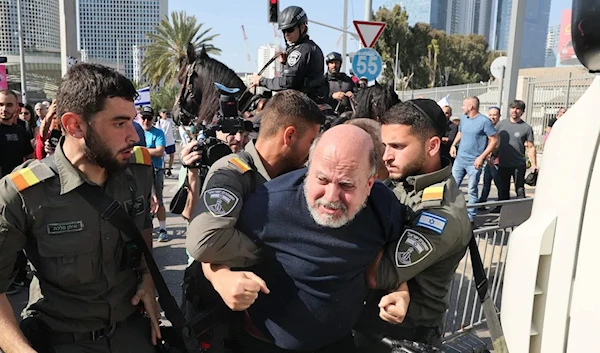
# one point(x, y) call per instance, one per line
point(291, 17)
point(333, 56)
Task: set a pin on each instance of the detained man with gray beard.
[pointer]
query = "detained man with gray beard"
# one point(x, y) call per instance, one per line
point(321, 229)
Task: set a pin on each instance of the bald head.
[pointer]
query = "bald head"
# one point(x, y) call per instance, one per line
point(341, 174)
point(347, 142)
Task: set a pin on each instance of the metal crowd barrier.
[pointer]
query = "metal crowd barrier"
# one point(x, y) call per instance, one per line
point(465, 312)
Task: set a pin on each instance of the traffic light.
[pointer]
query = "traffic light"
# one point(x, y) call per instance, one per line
point(2, 59)
point(273, 11)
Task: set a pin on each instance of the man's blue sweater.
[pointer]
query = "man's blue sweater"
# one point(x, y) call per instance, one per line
point(316, 274)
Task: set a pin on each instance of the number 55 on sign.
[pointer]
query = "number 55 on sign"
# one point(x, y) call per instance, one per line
point(367, 63)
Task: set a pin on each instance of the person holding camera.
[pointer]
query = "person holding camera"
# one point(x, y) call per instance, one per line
point(303, 61)
point(93, 282)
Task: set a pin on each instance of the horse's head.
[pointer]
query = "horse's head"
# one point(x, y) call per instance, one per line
point(198, 97)
point(373, 101)
point(189, 98)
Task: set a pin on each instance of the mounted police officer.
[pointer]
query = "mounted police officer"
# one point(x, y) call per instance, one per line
point(304, 61)
point(90, 277)
point(341, 86)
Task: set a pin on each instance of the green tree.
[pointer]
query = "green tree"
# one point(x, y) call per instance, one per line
point(169, 43)
point(163, 98)
point(425, 53)
point(397, 31)
point(431, 61)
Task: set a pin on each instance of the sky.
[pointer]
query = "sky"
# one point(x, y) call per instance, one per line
point(227, 17)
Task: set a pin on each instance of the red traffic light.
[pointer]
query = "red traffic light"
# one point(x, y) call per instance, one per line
point(273, 12)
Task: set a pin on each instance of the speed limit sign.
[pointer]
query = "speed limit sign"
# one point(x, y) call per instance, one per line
point(367, 63)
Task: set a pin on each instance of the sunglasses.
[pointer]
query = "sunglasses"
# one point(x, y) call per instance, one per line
point(289, 30)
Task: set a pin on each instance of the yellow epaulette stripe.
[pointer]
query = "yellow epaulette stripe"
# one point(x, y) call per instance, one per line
point(433, 193)
point(141, 156)
point(240, 164)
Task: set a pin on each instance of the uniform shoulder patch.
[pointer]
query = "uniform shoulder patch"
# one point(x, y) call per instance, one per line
point(412, 248)
point(31, 175)
point(219, 201)
point(242, 166)
point(294, 57)
point(140, 155)
point(433, 193)
point(432, 221)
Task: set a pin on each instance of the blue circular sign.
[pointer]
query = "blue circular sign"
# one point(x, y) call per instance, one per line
point(367, 63)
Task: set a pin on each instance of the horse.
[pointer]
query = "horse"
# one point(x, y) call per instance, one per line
point(373, 101)
point(198, 99)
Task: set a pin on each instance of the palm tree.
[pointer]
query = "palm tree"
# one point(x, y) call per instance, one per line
point(169, 43)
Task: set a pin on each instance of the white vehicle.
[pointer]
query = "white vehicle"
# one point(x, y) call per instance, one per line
point(551, 285)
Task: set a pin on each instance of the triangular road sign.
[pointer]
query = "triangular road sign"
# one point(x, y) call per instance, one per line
point(369, 31)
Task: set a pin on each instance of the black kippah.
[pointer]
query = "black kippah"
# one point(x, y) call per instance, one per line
point(430, 109)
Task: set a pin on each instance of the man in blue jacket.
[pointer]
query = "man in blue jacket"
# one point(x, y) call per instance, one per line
point(320, 230)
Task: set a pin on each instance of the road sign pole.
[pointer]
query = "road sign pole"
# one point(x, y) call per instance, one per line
point(345, 36)
point(502, 86)
point(515, 43)
point(368, 10)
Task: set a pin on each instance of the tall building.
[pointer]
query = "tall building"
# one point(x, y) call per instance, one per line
point(552, 45)
point(537, 15)
point(470, 17)
point(453, 20)
point(265, 53)
point(432, 12)
point(41, 26)
point(110, 30)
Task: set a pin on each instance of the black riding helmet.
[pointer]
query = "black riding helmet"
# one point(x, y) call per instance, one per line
point(333, 56)
point(291, 16)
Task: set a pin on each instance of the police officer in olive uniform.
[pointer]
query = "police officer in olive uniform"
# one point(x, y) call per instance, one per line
point(439, 230)
point(90, 280)
point(341, 86)
point(303, 68)
point(230, 181)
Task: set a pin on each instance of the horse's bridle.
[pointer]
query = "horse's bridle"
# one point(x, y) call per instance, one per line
point(188, 83)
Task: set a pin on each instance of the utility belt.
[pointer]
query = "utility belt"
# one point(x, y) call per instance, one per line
point(42, 338)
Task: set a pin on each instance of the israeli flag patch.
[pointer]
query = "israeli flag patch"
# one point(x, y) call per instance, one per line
point(432, 221)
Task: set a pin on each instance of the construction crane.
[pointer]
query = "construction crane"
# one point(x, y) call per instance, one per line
point(247, 50)
point(277, 37)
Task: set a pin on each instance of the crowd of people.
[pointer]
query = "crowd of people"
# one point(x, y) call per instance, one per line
point(314, 236)
point(502, 149)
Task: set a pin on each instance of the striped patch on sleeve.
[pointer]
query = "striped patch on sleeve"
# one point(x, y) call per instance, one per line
point(141, 156)
point(433, 193)
point(240, 164)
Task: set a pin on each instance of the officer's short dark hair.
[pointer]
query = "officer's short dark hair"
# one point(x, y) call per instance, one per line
point(517, 104)
point(424, 116)
point(289, 108)
point(8, 92)
point(85, 88)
